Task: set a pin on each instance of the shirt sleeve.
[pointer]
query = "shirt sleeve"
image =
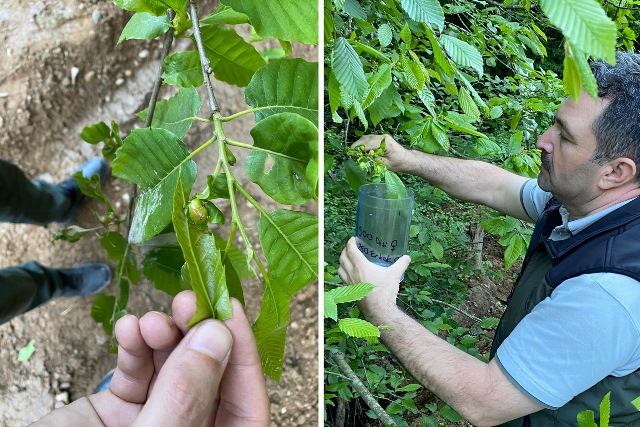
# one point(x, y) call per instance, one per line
point(586, 330)
point(533, 199)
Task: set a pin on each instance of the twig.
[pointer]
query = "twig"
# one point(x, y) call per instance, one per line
point(471, 316)
point(166, 45)
point(206, 65)
point(457, 153)
point(366, 395)
point(168, 40)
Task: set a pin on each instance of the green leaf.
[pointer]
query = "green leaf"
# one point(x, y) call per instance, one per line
point(427, 11)
point(347, 68)
point(448, 413)
point(378, 82)
point(176, 113)
point(233, 60)
point(236, 258)
point(516, 248)
point(385, 35)
point(204, 264)
point(153, 159)
point(605, 410)
point(162, 266)
point(586, 419)
point(410, 387)
point(102, 310)
point(154, 7)
point(291, 20)
point(115, 245)
point(27, 351)
point(350, 293)
point(489, 322)
point(355, 176)
point(495, 112)
point(289, 241)
point(467, 104)
point(515, 142)
point(183, 68)
point(571, 78)
point(225, 15)
point(285, 85)
point(462, 53)
point(361, 47)
point(96, 133)
point(580, 74)
point(354, 9)
point(359, 328)
point(270, 328)
point(395, 186)
point(281, 173)
point(217, 188)
point(91, 187)
point(436, 249)
point(144, 26)
point(330, 307)
point(585, 24)
point(636, 402)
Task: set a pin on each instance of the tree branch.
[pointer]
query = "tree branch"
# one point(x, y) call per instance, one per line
point(366, 395)
point(206, 65)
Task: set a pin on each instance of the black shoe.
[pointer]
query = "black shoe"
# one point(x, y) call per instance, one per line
point(72, 191)
point(83, 280)
point(104, 383)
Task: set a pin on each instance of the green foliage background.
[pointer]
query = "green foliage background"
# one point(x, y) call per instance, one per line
point(477, 79)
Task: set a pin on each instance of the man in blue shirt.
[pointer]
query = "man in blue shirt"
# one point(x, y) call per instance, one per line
point(571, 331)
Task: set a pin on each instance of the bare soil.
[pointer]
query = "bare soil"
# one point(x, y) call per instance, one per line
point(43, 108)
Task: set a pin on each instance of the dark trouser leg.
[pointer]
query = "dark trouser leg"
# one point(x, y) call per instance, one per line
point(25, 287)
point(26, 201)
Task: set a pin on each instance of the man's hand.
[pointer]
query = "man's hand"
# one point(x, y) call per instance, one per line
point(356, 268)
point(167, 375)
point(395, 155)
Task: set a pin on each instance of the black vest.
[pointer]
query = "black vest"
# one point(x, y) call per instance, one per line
point(611, 244)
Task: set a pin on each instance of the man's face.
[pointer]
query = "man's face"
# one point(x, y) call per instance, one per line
point(567, 148)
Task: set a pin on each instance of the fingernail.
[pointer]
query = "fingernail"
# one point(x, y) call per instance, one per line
point(212, 339)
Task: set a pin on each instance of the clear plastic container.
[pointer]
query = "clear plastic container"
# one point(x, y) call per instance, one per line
point(382, 224)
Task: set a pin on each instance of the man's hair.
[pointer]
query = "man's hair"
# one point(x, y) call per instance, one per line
point(617, 129)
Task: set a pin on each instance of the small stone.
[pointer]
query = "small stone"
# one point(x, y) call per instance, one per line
point(118, 204)
point(101, 339)
point(3, 94)
point(283, 410)
point(126, 197)
point(119, 81)
point(107, 99)
point(65, 82)
point(89, 76)
point(1, 122)
point(143, 53)
point(62, 397)
point(95, 16)
point(74, 75)
point(128, 73)
point(65, 385)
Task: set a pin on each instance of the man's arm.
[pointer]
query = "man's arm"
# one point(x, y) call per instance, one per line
point(480, 392)
point(469, 180)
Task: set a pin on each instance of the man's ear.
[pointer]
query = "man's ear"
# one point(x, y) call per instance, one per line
point(617, 172)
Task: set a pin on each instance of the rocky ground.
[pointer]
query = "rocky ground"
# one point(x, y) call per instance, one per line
point(60, 70)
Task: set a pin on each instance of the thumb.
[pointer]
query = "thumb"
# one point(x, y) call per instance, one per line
point(400, 265)
point(186, 390)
